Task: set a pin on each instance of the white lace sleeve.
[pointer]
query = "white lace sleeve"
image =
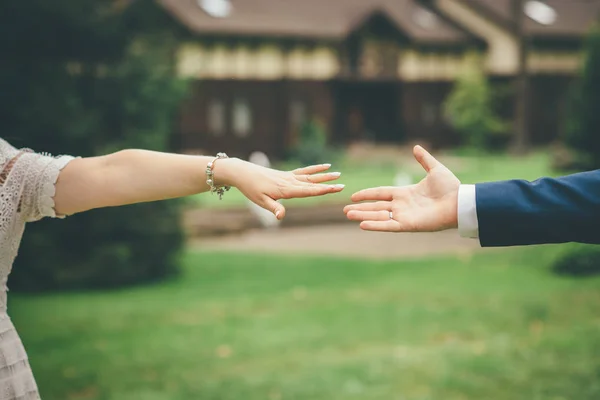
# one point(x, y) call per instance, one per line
point(42, 171)
point(27, 182)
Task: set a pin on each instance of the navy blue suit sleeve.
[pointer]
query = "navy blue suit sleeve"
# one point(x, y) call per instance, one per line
point(516, 212)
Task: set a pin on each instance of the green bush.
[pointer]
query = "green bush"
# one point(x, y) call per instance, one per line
point(312, 146)
point(583, 139)
point(104, 248)
point(471, 111)
point(100, 80)
point(580, 263)
point(583, 123)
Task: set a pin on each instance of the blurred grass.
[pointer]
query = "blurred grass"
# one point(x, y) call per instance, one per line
point(496, 325)
point(470, 167)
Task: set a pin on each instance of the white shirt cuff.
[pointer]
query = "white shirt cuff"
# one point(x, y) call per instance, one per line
point(468, 226)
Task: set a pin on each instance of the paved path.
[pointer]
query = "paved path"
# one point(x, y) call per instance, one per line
point(342, 239)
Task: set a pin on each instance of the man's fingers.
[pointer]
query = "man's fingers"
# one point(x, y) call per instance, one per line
point(312, 169)
point(376, 206)
point(384, 193)
point(426, 160)
point(369, 215)
point(381, 226)
point(319, 178)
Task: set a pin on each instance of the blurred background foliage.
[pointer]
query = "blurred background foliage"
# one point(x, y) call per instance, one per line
point(472, 108)
point(87, 78)
point(583, 124)
point(583, 139)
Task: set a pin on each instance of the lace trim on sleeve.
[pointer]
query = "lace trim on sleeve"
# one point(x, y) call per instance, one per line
point(39, 189)
point(48, 190)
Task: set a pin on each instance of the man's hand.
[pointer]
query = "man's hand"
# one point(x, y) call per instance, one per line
point(430, 205)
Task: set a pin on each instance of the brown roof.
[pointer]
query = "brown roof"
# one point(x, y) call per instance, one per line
point(574, 17)
point(324, 19)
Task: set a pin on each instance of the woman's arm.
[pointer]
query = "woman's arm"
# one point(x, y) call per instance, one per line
point(135, 176)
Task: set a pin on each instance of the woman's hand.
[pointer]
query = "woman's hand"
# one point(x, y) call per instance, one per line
point(430, 205)
point(264, 186)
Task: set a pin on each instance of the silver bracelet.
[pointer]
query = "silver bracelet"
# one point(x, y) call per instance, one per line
point(210, 177)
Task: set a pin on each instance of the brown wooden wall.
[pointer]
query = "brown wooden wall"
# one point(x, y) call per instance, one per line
point(413, 109)
point(548, 107)
point(270, 102)
point(265, 101)
point(423, 115)
point(317, 96)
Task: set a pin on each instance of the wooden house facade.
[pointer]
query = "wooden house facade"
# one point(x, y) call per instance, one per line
point(375, 70)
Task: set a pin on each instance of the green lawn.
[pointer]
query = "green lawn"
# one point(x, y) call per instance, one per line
point(371, 173)
point(248, 327)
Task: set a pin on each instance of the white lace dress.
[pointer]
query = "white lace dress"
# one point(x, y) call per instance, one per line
point(26, 194)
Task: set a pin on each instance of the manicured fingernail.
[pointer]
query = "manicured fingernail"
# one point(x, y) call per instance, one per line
point(277, 214)
point(335, 173)
point(327, 165)
point(338, 186)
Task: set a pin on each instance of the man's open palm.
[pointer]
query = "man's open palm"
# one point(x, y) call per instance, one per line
point(430, 205)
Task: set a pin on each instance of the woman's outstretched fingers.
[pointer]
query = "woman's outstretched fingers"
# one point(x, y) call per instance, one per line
point(381, 226)
point(376, 206)
point(319, 178)
point(385, 193)
point(369, 215)
point(312, 169)
point(426, 160)
point(318, 190)
point(311, 189)
point(276, 208)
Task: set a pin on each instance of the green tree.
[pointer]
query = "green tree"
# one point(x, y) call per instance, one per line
point(312, 146)
point(583, 136)
point(86, 78)
point(583, 126)
point(470, 108)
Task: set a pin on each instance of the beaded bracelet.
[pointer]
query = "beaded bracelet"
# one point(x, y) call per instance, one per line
point(210, 177)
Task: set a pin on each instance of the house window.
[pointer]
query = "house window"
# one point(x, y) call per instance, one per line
point(216, 8)
point(216, 117)
point(425, 18)
point(540, 12)
point(242, 118)
point(379, 58)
